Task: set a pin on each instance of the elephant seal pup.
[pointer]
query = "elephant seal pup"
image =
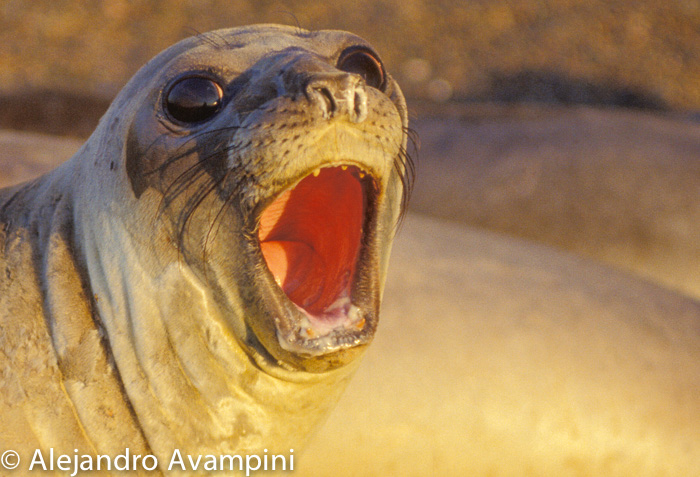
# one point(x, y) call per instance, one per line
point(205, 271)
point(618, 186)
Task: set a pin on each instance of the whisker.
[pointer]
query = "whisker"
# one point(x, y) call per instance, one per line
point(405, 167)
point(193, 172)
point(191, 176)
point(181, 183)
point(212, 38)
point(226, 203)
point(192, 204)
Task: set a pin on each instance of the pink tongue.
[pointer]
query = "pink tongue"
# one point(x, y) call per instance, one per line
point(310, 238)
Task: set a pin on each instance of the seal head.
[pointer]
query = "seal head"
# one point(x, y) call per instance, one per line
point(280, 166)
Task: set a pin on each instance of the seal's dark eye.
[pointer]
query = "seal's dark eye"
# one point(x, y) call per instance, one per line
point(194, 99)
point(365, 63)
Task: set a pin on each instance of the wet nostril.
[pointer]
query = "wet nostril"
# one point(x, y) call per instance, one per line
point(327, 96)
point(339, 95)
point(323, 98)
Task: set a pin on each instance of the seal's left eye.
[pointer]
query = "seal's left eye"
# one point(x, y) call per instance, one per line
point(194, 99)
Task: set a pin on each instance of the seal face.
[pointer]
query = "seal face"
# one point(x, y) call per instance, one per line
point(299, 157)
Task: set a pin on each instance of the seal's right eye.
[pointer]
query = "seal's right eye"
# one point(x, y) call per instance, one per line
point(194, 99)
point(360, 60)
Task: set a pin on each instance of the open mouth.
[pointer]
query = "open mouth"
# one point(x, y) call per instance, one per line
point(311, 237)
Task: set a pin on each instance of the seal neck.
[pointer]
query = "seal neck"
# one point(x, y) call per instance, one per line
point(190, 382)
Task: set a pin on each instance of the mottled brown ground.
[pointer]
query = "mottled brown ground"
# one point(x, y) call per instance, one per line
point(627, 52)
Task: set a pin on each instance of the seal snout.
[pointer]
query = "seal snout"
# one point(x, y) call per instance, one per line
point(339, 94)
